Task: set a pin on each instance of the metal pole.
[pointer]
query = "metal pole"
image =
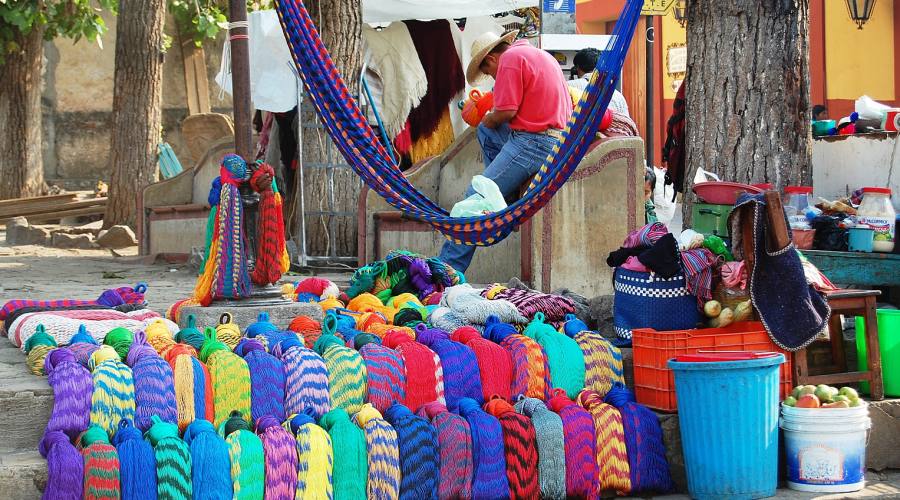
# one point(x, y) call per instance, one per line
point(650, 108)
point(240, 79)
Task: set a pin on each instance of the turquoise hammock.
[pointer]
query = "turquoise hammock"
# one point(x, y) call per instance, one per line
point(359, 145)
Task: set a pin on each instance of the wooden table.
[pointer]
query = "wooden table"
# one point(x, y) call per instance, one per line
point(856, 268)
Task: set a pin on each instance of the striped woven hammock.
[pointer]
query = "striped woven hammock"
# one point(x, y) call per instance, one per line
point(360, 146)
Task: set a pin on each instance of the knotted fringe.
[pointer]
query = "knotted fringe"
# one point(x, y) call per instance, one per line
point(137, 464)
point(210, 463)
point(65, 467)
point(280, 450)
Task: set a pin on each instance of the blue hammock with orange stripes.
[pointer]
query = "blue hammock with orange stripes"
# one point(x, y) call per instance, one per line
point(360, 146)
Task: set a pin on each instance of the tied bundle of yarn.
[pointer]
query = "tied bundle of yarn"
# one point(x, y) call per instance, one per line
point(190, 334)
point(119, 339)
point(573, 326)
point(404, 300)
point(309, 329)
point(266, 380)
point(489, 479)
point(245, 450)
point(419, 455)
point(612, 454)
point(101, 465)
point(262, 326)
point(381, 331)
point(424, 372)
point(306, 379)
point(193, 386)
point(159, 336)
point(494, 363)
point(154, 384)
point(210, 463)
point(315, 459)
point(349, 451)
point(385, 375)
point(65, 467)
point(458, 362)
point(530, 302)
point(582, 469)
point(602, 362)
point(563, 355)
point(383, 454)
point(137, 463)
point(228, 332)
point(73, 388)
point(320, 287)
point(330, 303)
point(365, 321)
point(270, 250)
point(520, 445)
point(104, 353)
point(644, 442)
point(37, 347)
point(410, 316)
point(456, 468)
point(346, 369)
point(279, 448)
point(113, 396)
point(83, 345)
point(548, 431)
point(229, 376)
point(469, 305)
point(368, 303)
point(173, 460)
point(273, 337)
point(530, 371)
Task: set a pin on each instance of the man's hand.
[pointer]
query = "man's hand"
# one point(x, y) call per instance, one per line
point(496, 118)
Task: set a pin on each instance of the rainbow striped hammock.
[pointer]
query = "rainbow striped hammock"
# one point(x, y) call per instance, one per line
point(367, 156)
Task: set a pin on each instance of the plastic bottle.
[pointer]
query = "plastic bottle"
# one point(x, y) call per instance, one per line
point(796, 201)
point(877, 212)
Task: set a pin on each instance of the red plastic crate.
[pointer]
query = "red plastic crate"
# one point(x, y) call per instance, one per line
point(654, 383)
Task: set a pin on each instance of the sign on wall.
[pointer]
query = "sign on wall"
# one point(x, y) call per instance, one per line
point(656, 7)
point(559, 6)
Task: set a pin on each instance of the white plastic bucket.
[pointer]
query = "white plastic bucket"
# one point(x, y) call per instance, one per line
point(826, 448)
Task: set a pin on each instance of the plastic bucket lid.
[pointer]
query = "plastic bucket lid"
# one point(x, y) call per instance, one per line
point(719, 356)
point(676, 365)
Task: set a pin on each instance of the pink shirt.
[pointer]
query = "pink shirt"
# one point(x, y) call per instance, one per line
point(530, 83)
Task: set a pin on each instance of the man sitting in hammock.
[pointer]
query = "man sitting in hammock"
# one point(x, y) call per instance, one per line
point(531, 108)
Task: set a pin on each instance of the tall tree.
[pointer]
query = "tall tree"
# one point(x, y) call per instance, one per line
point(137, 114)
point(747, 115)
point(24, 25)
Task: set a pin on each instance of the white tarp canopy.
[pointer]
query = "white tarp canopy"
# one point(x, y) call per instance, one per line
point(385, 11)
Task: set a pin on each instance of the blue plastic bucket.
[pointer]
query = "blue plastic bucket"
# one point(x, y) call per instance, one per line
point(728, 415)
point(861, 239)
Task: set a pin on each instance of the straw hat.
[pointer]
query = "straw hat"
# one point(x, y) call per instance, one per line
point(480, 49)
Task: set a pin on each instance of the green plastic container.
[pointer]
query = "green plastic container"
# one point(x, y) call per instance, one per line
point(889, 345)
point(711, 219)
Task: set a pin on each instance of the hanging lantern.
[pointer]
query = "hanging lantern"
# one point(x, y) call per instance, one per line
point(860, 11)
point(680, 11)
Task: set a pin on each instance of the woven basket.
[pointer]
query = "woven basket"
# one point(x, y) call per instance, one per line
point(645, 300)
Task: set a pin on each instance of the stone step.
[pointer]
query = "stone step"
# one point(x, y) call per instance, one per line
point(25, 401)
point(23, 475)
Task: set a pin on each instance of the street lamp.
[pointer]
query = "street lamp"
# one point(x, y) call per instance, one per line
point(860, 11)
point(680, 10)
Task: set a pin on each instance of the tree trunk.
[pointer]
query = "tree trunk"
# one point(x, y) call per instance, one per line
point(137, 113)
point(747, 115)
point(340, 25)
point(21, 162)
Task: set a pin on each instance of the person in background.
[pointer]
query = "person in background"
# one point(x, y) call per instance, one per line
point(583, 64)
point(819, 112)
point(531, 108)
point(649, 187)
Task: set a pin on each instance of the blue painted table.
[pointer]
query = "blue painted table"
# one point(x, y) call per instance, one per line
point(855, 268)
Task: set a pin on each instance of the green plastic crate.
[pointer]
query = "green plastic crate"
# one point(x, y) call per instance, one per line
point(711, 219)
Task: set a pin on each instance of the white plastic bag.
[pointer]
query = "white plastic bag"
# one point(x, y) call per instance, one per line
point(869, 109)
point(704, 176)
point(487, 198)
point(663, 197)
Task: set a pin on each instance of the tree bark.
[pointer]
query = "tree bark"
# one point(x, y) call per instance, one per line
point(340, 25)
point(137, 112)
point(748, 103)
point(21, 161)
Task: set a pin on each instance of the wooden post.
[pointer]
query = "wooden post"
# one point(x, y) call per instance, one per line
point(240, 80)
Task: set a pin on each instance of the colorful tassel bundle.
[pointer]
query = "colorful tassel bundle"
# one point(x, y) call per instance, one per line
point(173, 460)
point(262, 326)
point(154, 384)
point(137, 463)
point(65, 467)
point(548, 430)
point(494, 363)
point(101, 466)
point(612, 455)
point(72, 390)
point(602, 362)
point(230, 378)
point(531, 303)
point(228, 332)
point(383, 454)
point(582, 470)
point(563, 355)
point(350, 462)
point(531, 373)
point(83, 346)
point(113, 396)
point(119, 339)
point(346, 370)
point(458, 362)
point(573, 326)
point(248, 473)
point(489, 474)
point(280, 451)
point(315, 460)
point(306, 379)
point(455, 445)
point(386, 375)
point(649, 470)
point(193, 386)
point(520, 444)
point(424, 373)
point(37, 347)
point(190, 334)
point(270, 250)
point(319, 287)
point(160, 337)
point(210, 463)
point(419, 455)
point(266, 380)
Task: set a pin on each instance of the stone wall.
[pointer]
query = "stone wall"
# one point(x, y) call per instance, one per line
point(77, 104)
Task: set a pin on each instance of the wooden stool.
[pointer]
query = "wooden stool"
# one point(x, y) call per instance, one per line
point(850, 303)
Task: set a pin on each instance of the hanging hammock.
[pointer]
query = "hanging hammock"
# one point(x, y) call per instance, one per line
point(363, 151)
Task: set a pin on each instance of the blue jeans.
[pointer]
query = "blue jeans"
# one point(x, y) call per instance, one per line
point(511, 158)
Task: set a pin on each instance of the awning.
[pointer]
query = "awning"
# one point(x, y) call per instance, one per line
point(384, 11)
